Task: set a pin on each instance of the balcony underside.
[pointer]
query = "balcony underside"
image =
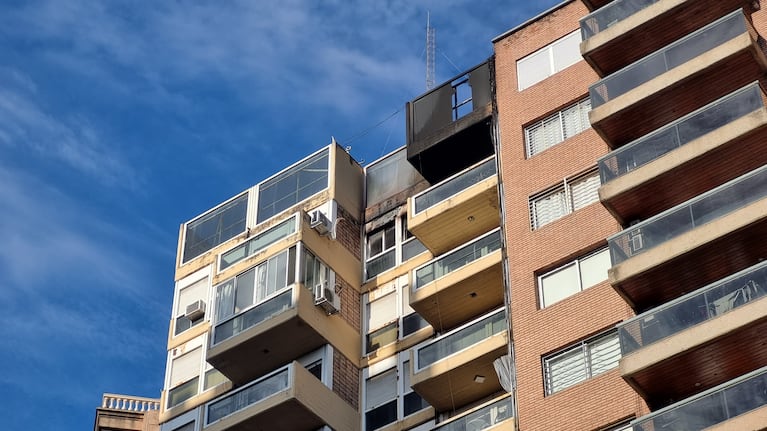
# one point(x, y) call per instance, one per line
point(306, 406)
point(595, 4)
point(280, 339)
point(665, 21)
point(700, 357)
point(457, 220)
point(694, 259)
point(679, 91)
point(453, 148)
point(705, 163)
point(450, 383)
point(461, 295)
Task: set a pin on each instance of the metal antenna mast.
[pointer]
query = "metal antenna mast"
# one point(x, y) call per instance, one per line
point(430, 49)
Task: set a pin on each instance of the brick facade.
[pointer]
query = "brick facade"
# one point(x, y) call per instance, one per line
point(346, 379)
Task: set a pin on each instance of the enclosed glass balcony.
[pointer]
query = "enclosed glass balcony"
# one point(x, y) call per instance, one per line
point(611, 14)
point(731, 401)
point(461, 284)
point(462, 358)
point(457, 209)
point(484, 417)
point(696, 307)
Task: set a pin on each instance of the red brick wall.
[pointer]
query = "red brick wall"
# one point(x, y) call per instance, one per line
point(350, 302)
point(349, 232)
point(346, 379)
point(604, 399)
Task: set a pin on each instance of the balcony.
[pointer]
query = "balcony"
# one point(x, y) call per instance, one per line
point(735, 405)
point(451, 120)
point(127, 413)
point(289, 399)
point(707, 148)
point(457, 209)
point(457, 367)
point(494, 415)
point(697, 341)
point(595, 4)
point(461, 284)
point(275, 331)
point(691, 72)
point(624, 31)
point(703, 240)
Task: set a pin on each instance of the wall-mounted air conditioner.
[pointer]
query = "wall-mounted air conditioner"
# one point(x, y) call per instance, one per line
point(320, 222)
point(195, 310)
point(325, 297)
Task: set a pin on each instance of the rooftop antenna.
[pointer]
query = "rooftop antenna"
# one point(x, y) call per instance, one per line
point(430, 48)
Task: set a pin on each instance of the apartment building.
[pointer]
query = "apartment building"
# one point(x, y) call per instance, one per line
point(127, 413)
point(569, 239)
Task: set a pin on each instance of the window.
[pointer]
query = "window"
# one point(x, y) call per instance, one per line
point(293, 185)
point(557, 127)
point(389, 398)
point(258, 243)
point(572, 195)
point(388, 316)
point(549, 60)
point(582, 361)
point(389, 244)
point(186, 296)
point(573, 277)
point(215, 227)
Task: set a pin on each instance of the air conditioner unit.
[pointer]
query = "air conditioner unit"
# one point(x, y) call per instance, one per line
point(320, 222)
point(195, 310)
point(325, 297)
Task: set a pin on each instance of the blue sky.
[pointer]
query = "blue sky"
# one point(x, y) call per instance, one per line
point(120, 120)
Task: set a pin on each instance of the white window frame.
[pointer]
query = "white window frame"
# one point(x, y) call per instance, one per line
point(584, 348)
point(396, 363)
point(182, 260)
point(400, 289)
point(548, 51)
point(188, 347)
point(182, 284)
point(183, 420)
point(559, 117)
point(577, 263)
point(564, 188)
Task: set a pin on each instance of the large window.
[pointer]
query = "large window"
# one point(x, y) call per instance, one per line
point(193, 294)
point(388, 316)
point(549, 60)
point(556, 128)
point(390, 244)
point(572, 195)
point(388, 395)
point(293, 185)
point(582, 361)
point(215, 227)
point(188, 373)
point(573, 277)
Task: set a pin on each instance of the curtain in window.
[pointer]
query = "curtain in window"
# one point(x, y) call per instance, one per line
point(583, 190)
point(225, 300)
point(565, 370)
point(605, 354)
point(549, 208)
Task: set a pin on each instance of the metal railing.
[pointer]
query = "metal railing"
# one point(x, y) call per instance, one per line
point(256, 314)
point(706, 303)
point(709, 206)
point(454, 185)
point(459, 339)
point(456, 259)
point(611, 14)
point(129, 403)
point(712, 407)
point(673, 55)
point(681, 132)
point(253, 393)
point(491, 414)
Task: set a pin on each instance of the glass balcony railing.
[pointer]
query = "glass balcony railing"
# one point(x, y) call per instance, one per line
point(610, 14)
point(673, 55)
point(251, 317)
point(249, 395)
point(680, 132)
point(683, 218)
point(696, 307)
point(460, 339)
point(457, 259)
point(454, 185)
point(715, 406)
point(259, 242)
point(381, 263)
point(490, 415)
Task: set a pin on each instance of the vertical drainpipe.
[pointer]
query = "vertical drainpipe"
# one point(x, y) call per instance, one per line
point(496, 138)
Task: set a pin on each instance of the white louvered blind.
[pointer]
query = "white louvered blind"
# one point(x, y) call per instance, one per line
point(185, 367)
point(581, 362)
point(555, 128)
point(583, 190)
point(604, 354)
point(381, 389)
point(548, 208)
